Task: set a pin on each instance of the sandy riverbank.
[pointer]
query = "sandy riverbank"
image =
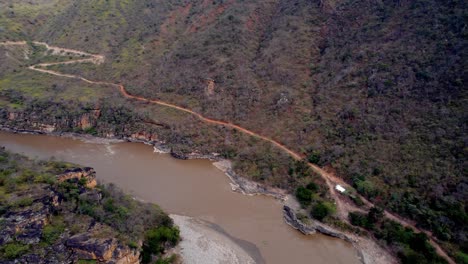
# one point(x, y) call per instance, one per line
point(203, 244)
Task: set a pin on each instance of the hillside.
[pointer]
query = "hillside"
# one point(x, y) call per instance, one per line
point(374, 91)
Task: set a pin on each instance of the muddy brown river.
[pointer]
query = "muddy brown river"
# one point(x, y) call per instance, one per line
point(194, 188)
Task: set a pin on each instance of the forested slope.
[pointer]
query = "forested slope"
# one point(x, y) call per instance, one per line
point(375, 90)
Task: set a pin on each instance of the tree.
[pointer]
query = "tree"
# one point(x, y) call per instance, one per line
point(322, 210)
point(375, 215)
point(314, 157)
point(304, 195)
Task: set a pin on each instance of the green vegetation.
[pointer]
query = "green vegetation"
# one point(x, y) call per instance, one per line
point(314, 199)
point(410, 247)
point(304, 195)
point(14, 250)
point(462, 257)
point(156, 240)
point(86, 261)
point(367, 88)
point(51, 232)
point(29, 187)
point(322, 210)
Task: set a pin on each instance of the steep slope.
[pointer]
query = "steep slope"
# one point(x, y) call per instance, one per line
point(373, 90)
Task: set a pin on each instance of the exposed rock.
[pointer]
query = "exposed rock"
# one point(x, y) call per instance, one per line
point(12, 115)
point(291, 219)
point(194, 155)
point(248, 187)
point(144, 136)
point(179, 155)
point(25, 223)
point(85, 122)
point(125, 255)
point(210, 87)
point(79, 173)
point(108, 250)
point(45, 127)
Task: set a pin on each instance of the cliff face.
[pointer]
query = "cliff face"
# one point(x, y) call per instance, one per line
point(54, 212)
point(77, 119)
point(373, 88)
point(86, 174)
point(29, 225)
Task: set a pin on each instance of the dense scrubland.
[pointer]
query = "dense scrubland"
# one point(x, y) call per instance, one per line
point(373, 90)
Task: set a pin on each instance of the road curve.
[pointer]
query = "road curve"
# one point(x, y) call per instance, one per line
point(342, 208)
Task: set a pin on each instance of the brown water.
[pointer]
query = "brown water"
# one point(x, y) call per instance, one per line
point(193, 188)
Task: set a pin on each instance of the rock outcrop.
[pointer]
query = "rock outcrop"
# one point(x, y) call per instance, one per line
point(242, 185)
point(28, 214)
point(77, 174)
point(291, 219)
point(105, 250)
point(34, 123)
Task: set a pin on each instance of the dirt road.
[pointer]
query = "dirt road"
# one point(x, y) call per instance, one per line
point(343, 208)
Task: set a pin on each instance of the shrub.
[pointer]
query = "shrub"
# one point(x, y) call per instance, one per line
point(304, 195)
point(462, 257)
point(314, 157)
point(358, 219)
point(133, 244)
point(322, 210)
point(26, 176)
point(375, 215)
point(87, 261)
point(14, 250)
point(156, 240)
point(312, 186)
point(51, 233)
point(44, 178)
point(168, 260)
point(367, 188)
point(23, 202)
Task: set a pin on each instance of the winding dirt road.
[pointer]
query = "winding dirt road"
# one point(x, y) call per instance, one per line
point(343, 207)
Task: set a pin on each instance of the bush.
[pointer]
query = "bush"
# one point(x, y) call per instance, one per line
point(45, 178)
point(375, 215)
point(357, 200)
point(304, 195)
point(51, 233)
point(23, 202)
point(157, 239)
point(87, 261)
point(14, 250)
point(312, 186)
point(322, 210)
point(133, 244)
point(462, 257)
point(168, 260)
point(314, 157)
point(358, 219)
point(367, 188)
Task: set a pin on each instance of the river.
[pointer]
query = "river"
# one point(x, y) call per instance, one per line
point(193, 188)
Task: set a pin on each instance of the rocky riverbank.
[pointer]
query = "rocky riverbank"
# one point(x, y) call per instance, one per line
point(369, 251)
point(238, 184)
point(30, 219)
point(54, 212)
point(242, 185)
